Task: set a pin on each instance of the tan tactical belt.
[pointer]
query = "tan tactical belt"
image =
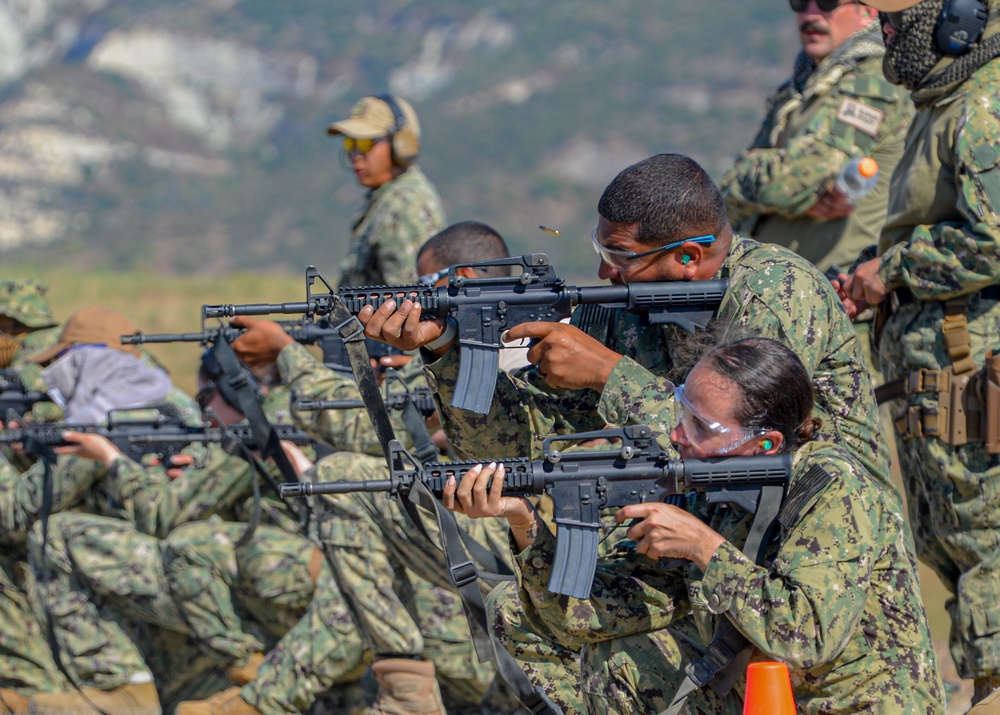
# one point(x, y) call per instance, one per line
point(968, 400)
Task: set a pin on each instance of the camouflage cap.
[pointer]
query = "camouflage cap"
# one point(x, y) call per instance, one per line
point(23, 299)
point(91, 326)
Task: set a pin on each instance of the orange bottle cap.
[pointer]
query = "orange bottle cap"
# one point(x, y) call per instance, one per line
point(868, 167)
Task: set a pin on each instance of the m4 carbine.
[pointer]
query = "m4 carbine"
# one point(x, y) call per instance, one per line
point(484, 308)
point(422, 398)
point(305, 332)
point(583, 483)
point(156, 430)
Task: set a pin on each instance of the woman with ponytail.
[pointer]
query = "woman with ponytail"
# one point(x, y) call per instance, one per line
point(836, 595)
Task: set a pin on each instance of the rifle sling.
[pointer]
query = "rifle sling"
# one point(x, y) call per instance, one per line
point(47, 455)
point(727, 655)
point(465, 575)
point(353, 334)
point(233, 446)
point(263, 432)
point(424, 448)
point(472, 599)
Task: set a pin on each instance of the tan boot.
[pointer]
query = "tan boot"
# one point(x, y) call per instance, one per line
point(12, 702)
point(228, 702)
point(986, 697)
point(131, 699)
point(243, 674)
point(406, 687)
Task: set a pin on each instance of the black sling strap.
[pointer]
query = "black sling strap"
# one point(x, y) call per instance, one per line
point(463, 570)
point(728, 654)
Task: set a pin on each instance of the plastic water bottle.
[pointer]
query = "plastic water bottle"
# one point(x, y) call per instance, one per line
point(857, 178)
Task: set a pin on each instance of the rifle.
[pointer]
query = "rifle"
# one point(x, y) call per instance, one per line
point(484, 308)
point(305, 332)
point(583, 483)
point(164, 434)
point(16, 397)
point(422, 398)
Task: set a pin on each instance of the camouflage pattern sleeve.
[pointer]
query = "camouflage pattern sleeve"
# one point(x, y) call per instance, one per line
point(522, 414)
point(21, 495)
point(787, 176)
point(840, 601)
point(621, 601)
point(959, 254)
point(634, 395)
point(157, 504)
point(399, 217)
point(309, 379)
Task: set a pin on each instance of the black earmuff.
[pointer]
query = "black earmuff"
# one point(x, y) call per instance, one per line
point(960, 25)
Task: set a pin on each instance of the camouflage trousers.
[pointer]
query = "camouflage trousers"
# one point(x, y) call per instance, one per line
point(26, 663)
point(953, 493)
point(104, 578)
point(369, 536)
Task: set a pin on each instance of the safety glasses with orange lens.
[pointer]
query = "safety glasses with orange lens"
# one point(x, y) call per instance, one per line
point(361, 146)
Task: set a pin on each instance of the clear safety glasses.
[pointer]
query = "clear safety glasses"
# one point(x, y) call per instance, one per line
point(623, 259)
point(700, 428)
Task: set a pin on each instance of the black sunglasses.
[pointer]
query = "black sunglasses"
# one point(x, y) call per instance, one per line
point(823, 5)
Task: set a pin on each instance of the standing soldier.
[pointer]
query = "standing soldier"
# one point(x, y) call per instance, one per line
point(834, 107)
point(936, 282)
point(402, 210)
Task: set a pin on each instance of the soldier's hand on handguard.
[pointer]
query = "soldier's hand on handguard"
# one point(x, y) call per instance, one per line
point(95, 447)
point(300, 462)
point(261, 342)
point(402, 327)
point(565, 356)
point(476, 497)
point(666, 531)
point(831, 205)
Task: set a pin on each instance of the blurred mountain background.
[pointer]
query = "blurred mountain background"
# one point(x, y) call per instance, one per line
point(188, 136)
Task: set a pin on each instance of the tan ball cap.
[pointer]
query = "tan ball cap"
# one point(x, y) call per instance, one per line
point(91, 326)
point(890, 5)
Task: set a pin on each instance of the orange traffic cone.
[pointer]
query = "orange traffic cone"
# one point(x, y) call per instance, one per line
point(769, 690)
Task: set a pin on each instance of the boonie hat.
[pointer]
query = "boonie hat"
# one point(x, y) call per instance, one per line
point(90, 326)
point(23, 299)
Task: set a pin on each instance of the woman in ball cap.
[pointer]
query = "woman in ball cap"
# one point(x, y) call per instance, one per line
point(402, 210)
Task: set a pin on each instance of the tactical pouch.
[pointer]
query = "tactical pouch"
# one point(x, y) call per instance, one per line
point(984, 393)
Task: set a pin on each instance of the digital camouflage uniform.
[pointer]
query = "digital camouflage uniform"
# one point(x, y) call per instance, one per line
point(24, 300)
point(147, 569)
point(839, 603)
point(26, 663)
point(772, 293)
point(816, 122)
point(393, 619)
point(386, 234)
point(76, 484)
point(940, 242)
